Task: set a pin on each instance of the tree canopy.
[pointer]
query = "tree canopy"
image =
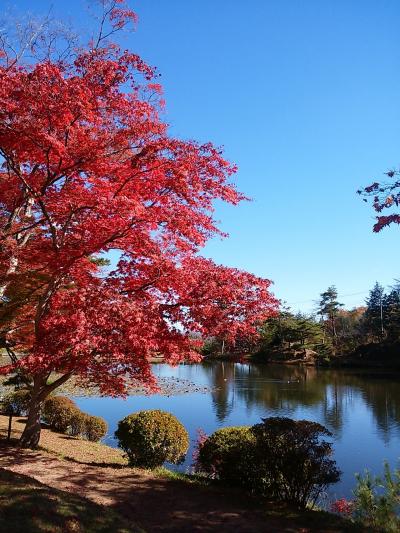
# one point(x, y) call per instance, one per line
point(89, 167)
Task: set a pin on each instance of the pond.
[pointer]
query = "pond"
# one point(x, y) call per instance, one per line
point(361, 408)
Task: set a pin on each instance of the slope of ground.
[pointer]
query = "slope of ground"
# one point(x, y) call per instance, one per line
point(153, 502)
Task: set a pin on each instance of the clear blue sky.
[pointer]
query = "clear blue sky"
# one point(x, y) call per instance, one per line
point(304, 96)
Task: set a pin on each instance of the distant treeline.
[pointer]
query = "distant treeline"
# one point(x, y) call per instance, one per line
point(331, 334)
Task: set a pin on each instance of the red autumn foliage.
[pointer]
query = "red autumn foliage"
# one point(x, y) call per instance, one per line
point(89, 167)
point(343, 507)
point(200, 440)
point(384, 196)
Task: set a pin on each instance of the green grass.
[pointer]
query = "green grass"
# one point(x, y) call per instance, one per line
point(27, 506)
point(192, 479)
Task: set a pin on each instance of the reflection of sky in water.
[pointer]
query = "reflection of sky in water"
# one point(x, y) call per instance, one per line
point(362, 411)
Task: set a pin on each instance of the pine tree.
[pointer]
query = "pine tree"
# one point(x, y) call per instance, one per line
point(374, 317)
point(329, 309)
point(291, 332)
point(308, 330)
point(391, 306)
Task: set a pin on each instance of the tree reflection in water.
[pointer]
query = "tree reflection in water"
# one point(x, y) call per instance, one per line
point(282, 389)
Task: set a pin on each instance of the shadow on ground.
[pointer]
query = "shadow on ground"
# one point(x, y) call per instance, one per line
point(164, 505)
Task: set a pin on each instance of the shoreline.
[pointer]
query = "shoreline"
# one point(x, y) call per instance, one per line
point(175, 386)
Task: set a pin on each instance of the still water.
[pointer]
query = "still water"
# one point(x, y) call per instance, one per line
point(360, 408)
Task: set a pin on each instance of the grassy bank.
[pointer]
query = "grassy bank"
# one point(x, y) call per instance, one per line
point(67, 447)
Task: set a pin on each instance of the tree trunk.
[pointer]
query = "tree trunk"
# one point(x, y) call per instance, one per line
point(31, 434)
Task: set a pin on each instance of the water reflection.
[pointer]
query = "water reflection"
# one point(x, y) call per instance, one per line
point(223, 394)
point(283, 389)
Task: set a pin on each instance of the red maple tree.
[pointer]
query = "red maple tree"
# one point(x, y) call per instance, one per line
point(89, 167)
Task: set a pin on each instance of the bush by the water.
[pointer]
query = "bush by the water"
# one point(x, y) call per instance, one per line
point(77, 426)
point(16, 402)
point(149, 438)
point(63, 415)
point(279, 458)
point(294, 459)
point(94, 428)
point(58, 412)
point(228, 455)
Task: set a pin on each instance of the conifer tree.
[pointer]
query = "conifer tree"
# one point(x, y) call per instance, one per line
point(328, 309)
point(374, 314)
point(391, 312)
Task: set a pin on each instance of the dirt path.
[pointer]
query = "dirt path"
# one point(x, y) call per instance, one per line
point(155, 504)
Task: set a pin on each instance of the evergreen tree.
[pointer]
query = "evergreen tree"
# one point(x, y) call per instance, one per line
point(329, 309)
point(291, 332)
point(391, 305)
point(309, 332)
point(374, 317)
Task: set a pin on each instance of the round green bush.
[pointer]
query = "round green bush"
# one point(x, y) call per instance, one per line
point(94, 427)
point(149, 438)
point(17, 402)
point(227, 454)
point(58, 412)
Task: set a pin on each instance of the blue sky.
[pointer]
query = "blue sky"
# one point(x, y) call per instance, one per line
point(304, 96)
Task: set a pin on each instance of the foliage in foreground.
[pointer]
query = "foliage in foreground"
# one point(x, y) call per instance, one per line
point(28, 506)
point(279, 458)
point(67, 446)
point(150, 438)
point(376, 501)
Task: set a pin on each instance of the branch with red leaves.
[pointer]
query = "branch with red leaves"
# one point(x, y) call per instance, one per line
point(384, 196)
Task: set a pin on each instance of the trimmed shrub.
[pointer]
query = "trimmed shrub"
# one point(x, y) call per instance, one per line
point(228, 455)
point(94, 427)
point(17, 402)
point(280, 458)
point(77, 423)
point(62, 414)
point(149, 438)
point(58, 412)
